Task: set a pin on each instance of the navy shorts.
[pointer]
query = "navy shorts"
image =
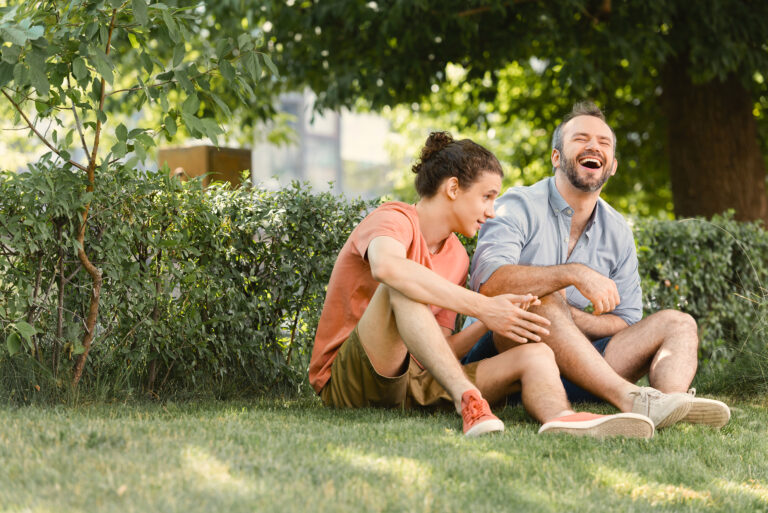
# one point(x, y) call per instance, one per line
point(485, 348)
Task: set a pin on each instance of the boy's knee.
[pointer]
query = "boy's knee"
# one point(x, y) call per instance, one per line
point(536, 353)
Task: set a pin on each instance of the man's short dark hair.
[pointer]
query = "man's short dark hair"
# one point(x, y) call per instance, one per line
point(585, 108)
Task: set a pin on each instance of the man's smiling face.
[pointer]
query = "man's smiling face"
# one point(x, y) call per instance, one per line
point(587, 157)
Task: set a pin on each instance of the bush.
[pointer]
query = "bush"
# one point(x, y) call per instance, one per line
point(213, 291)
point(218, 291)
point(716, 271)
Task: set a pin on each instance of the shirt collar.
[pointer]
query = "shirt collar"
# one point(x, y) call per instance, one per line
point(559, 206)
point(556, 201)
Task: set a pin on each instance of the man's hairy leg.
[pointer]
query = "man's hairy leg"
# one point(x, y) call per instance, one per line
point(531, 366)
point(393, 325)
point(577, 359)
point(664, 345)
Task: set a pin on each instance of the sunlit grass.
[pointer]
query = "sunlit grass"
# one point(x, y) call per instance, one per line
point(298, 456)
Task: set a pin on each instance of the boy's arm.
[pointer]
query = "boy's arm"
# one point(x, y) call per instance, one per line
point(462, 341)
point(502, 313)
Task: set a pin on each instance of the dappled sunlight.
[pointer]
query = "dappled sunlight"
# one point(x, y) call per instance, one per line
point(208, 471)
point(407, 471)
point(752, 488)
point(636, 487)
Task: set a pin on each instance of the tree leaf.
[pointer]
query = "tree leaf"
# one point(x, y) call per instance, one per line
point(14, 35)
point(79, 70)
point(101, 62)
point(227, 70)
point(11, 54)
point(184, 82)
point(140, 11)
point(191, 105)
point(37, 73)
point(178, 54)
point(270, 64)
point(170, 23)
point(121, 132)
point(35, 32)
point(170, 125)
point(253, 66)
point(6, 73)
point(26, 330)
point(13, 343)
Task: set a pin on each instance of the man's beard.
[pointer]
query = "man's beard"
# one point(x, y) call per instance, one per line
point(569, 168)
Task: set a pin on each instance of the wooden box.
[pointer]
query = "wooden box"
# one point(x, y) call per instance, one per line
point(217, 164)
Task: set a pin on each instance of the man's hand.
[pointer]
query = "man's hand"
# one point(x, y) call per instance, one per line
point(507, 315)
point(601, 291)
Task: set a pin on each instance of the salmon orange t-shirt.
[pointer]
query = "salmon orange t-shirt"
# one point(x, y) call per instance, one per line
point(352, 285)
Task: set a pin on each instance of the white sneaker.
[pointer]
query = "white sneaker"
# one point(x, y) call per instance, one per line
point(663, 409)
point(707, 411)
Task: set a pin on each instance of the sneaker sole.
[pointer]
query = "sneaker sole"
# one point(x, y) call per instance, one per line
point(708, 411)
point(485, 427)
point(631, 425)
point(675, 415)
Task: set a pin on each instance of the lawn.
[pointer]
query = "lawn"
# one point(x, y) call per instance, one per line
point(297, 456)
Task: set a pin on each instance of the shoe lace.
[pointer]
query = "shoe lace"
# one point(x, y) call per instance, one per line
point(647, 394)
point(474, 409)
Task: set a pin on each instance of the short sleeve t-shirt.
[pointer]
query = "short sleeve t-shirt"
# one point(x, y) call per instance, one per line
point(352, 285)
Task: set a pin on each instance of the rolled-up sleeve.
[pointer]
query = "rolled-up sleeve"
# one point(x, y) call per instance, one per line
point(627, 279)
point(501, 239)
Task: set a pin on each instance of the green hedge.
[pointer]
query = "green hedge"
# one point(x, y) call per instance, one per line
point(218, 291)
point(717, 271)
point(214, 291)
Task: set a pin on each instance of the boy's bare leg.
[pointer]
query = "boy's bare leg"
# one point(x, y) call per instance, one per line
point(394, 325)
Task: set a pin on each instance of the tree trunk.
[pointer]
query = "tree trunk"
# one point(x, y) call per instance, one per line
point(714, 155)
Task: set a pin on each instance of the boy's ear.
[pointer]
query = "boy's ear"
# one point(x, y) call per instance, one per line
point(451, 186)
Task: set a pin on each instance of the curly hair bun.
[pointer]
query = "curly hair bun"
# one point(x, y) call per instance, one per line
point(435, 142)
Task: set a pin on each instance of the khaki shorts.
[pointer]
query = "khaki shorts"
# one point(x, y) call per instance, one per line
point(355, 383)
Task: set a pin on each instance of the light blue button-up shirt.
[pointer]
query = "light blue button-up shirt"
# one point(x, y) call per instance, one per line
point(532, 227)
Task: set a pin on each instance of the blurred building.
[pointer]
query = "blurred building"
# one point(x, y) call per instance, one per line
point(346, 149)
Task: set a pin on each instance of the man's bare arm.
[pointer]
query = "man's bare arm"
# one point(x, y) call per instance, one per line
point(543, 280)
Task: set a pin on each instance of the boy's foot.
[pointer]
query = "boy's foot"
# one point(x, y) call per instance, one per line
point(707, 411)
point(663, 409)
point(601, 426)
point(478, 419)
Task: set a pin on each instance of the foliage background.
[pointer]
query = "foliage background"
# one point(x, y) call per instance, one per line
point(218, 291)
point(214, 291)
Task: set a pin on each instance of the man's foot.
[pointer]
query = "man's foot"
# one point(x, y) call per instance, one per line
point(707, 411)
point(601, 426)
point(663, 409)
point(478, 419)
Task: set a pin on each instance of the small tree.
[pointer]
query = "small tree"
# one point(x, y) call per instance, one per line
point(74, 63)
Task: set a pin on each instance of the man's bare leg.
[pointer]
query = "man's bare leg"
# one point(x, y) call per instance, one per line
point(531, 366)
point(577, 359)
point(394, 325)
point(664, 345)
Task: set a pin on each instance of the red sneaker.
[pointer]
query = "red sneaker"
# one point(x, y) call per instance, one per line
point(601, 426)
point(478, 419)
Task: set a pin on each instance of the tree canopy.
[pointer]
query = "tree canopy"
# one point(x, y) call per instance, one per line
point(682, 82)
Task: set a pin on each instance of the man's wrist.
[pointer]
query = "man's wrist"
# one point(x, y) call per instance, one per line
point(573, 275)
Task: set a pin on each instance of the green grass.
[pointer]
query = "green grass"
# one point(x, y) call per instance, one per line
point(298, 456)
